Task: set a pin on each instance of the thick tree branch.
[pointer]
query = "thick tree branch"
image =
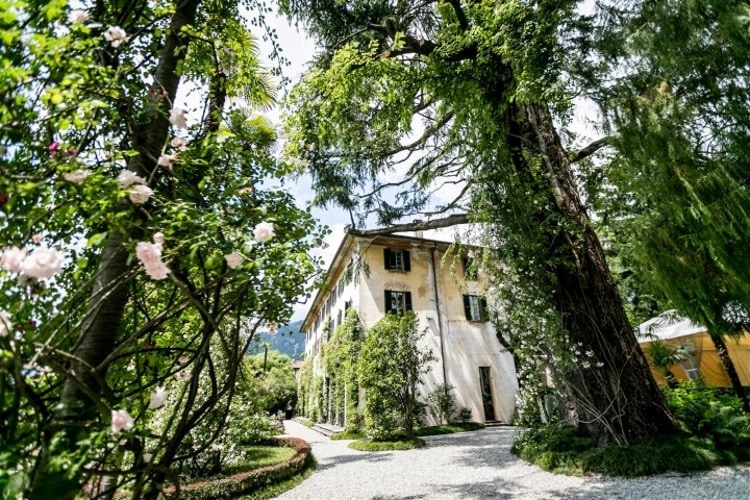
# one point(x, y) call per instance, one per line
point(451, 220)
point(460, 15)
point(589, 150)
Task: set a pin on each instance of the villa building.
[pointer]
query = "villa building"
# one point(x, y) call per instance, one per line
point(380, 274)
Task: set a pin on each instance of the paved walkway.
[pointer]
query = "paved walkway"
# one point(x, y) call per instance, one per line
point(479, 465)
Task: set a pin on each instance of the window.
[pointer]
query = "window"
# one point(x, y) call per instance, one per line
point(470, 269)
point(396, 260)
point(339, 318)
point(347, 305)
point(475, 308)
point(397, 302)
point(691, 369)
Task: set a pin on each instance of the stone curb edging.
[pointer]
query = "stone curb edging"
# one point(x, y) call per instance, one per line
point(242, 482)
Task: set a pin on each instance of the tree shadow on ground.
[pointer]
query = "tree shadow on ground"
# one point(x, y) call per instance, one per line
point(366, 457)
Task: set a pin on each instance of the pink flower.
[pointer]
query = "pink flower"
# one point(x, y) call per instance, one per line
point(115, 36)
point(158, 398)
point(76, 176)
point(234, 259)
point(178, 117)
point(166, 160)
point(53, 147)
point(263, 232)
point(43, 262)
point(5, 324)
point(150, 255)
point(140, 193)
point(78, 16)
point(37, 238)
point(12, 259)
point(179, 143)
point(127, 178)
point(121, 420)
point(158, 238)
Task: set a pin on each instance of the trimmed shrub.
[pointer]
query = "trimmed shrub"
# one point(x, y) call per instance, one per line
point(245, 482)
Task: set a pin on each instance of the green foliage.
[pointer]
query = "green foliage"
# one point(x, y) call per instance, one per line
point(339, 358)
point(387, 444)
point(675, 193)
point(719, 419)
point(442, 402)
point(78, 111)
point(390, 368)
point(434, 430)
point(567, 450)
point(464, 415)
point(277, 385)
point(345, 435)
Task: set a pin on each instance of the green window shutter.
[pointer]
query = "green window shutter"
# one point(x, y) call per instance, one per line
point(467, 307)
point(407, 299)
point(407, 264)
point(388, 302)
point(387, 258)
point(485, 312)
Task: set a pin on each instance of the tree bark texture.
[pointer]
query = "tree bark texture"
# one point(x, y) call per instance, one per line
point(619, 400)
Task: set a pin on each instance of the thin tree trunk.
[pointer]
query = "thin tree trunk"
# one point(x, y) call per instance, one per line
point(734, 378)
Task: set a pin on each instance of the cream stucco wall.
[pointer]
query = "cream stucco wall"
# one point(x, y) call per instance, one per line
point(466, 345)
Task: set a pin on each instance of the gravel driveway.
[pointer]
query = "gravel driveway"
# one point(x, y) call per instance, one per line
point(479, 465)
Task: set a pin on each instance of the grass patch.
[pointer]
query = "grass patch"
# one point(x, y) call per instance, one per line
point(397, 444)
point(339, 436)
point(305, 421)
point(274, 490)
point(260, 456)
point(565, 450)
point(435, 430)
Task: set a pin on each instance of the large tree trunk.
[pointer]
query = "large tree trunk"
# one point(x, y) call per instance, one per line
point(734, 378)
point(617, 400)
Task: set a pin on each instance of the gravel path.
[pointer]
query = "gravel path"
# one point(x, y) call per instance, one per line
point(479, 465)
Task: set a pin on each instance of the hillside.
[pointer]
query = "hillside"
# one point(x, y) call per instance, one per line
point(288, 340)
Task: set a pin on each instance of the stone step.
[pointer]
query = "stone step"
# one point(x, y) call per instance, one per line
point(327, 429)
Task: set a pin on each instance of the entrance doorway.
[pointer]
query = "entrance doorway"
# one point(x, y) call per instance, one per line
point(485, 385)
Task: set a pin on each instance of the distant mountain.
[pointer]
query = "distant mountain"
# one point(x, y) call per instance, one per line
point(287, 340)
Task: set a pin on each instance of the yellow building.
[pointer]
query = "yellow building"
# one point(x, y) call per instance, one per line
point(675, 331)
point(379, 274)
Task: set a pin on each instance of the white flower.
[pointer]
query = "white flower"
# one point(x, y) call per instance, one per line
point(234, 259)
point(182, 376)
point(78, 16)
point(37, 238)
point(76, 176)
point(166, 160)
point(140, 193)
point(178, 117)
point(121, 420)
point(115, 36)
point(179, 143)
point(127, 178)
point(43, 262)
point(147, 458)
point(263, 232)
point(150, 255)
point(12, 259)
point(158, 398)
point(158, 238)
point(5, 324)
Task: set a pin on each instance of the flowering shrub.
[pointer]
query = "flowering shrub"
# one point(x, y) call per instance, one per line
point(123, 325)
